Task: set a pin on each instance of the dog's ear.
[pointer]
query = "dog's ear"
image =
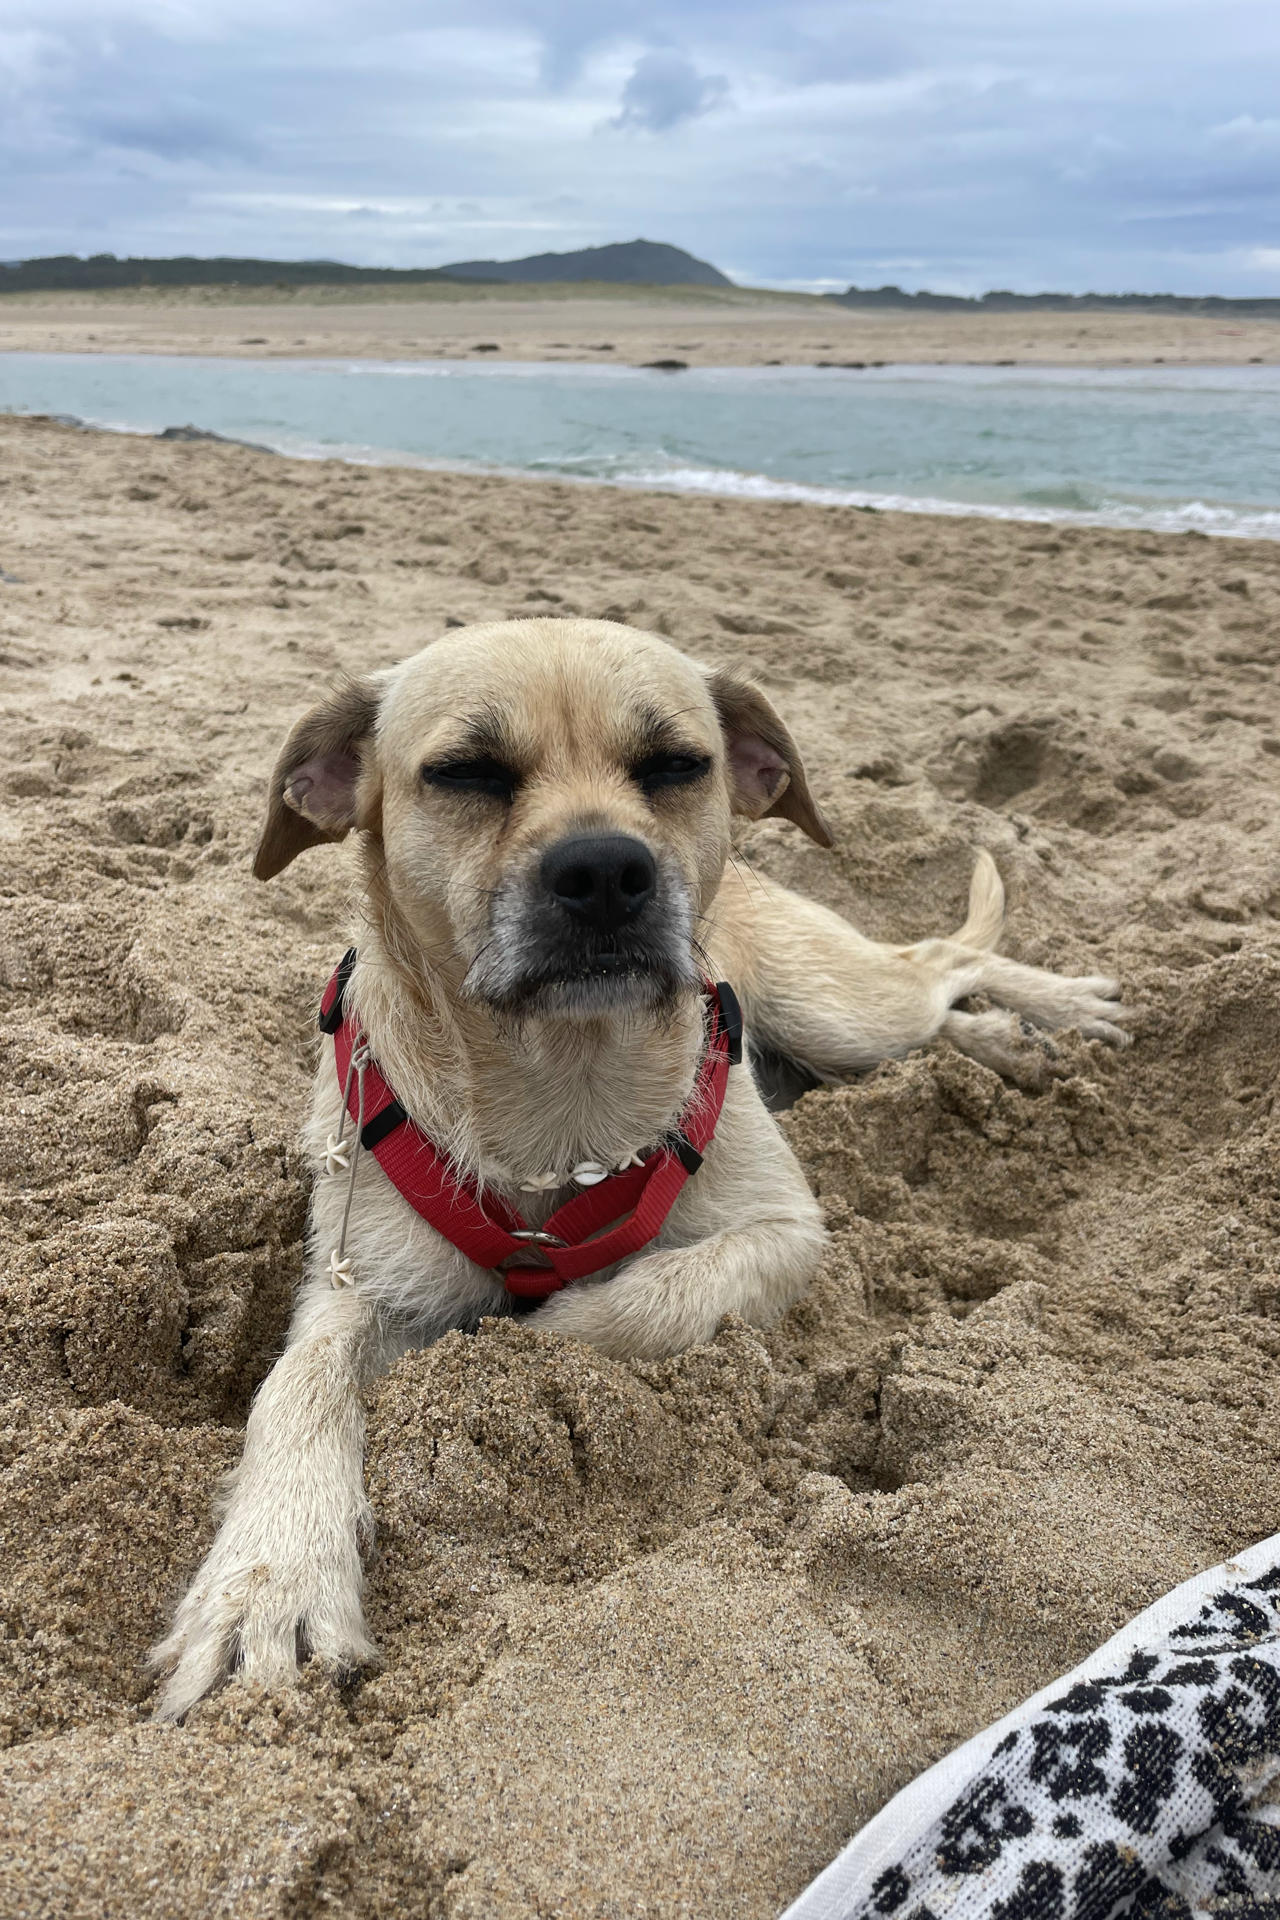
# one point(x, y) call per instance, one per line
point(312, 795)
point(766, 773)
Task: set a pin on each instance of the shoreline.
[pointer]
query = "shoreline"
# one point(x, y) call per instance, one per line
point(1194, 519)
point(704, 327)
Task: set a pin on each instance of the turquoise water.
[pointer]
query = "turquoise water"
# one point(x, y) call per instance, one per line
point(1165, 447)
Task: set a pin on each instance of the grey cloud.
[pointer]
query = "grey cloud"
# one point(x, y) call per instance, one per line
point(169, 136)
point(664, 89)
point(1112, 143)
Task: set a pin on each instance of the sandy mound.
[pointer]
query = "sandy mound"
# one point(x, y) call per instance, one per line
point(657, 1638)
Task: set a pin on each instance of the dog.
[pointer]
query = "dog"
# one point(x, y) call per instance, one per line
point(543, 812)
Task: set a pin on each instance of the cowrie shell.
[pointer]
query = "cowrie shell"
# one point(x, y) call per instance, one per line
point(589, 1173)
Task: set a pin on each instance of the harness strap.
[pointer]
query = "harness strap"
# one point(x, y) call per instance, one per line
point(602, 1224)
point(331, 1011)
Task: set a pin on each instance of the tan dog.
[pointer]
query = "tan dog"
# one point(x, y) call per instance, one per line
point(544, 813)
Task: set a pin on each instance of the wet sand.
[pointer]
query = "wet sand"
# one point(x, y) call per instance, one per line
point(657, 1638)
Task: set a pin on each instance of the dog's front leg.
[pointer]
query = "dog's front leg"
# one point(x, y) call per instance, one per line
point(284, 1572)
point(676, 1297)
point(745, 1237)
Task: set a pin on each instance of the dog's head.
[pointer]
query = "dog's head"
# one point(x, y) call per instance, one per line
point(546, 803)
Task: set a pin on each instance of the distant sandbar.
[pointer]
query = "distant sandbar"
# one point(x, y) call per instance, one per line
point(609, 324)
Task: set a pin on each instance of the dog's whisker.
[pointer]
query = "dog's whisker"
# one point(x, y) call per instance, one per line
point(749, 874)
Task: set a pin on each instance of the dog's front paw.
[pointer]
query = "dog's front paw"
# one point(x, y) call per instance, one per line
point(254, 1619)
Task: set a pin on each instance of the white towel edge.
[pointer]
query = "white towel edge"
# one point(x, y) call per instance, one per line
point(888, 1835)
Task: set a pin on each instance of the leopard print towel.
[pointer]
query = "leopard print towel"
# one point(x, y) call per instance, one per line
point(1145, 1783)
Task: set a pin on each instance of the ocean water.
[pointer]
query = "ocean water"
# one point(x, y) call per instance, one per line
point(1173, 448)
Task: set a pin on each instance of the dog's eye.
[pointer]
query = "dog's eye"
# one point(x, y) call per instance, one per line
point(671, 770)
point(472, 776)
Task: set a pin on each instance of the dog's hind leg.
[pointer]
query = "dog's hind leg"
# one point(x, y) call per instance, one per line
point(999, 1040)
point(818, 993)
point(1089, 1001)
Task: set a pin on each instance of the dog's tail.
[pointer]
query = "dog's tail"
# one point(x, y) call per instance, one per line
point(986, 905)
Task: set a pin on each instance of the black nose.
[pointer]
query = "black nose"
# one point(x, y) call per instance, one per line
point(603, 879)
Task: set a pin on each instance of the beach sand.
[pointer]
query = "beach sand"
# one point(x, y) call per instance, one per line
point(658, 1638)
point(707, 327)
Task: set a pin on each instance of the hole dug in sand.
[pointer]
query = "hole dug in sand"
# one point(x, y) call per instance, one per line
point(656, 1639)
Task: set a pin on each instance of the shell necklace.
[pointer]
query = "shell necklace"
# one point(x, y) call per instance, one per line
point(587, 1173)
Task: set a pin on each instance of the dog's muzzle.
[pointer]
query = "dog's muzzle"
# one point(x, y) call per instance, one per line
point(600, 924)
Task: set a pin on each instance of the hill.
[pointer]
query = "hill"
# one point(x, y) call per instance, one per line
point(641, 262)
point(635, 262)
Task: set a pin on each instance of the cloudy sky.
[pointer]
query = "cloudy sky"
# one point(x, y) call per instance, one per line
point(954, 144)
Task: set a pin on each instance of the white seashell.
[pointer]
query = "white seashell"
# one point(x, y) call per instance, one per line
point(337, 1155)
point(542, 1183)
point(589, 1173)
point(632, 1160)
point(340, 1274)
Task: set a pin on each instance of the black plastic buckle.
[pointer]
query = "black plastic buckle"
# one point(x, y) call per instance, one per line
point(375, 1131)
point(686, 1153)
point(731, 1016)
point(330, 1022)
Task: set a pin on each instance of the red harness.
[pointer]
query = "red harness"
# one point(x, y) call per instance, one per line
point(600, 1225)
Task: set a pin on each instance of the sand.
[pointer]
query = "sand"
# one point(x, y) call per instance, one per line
point(709, 327)
point(657, 1638)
